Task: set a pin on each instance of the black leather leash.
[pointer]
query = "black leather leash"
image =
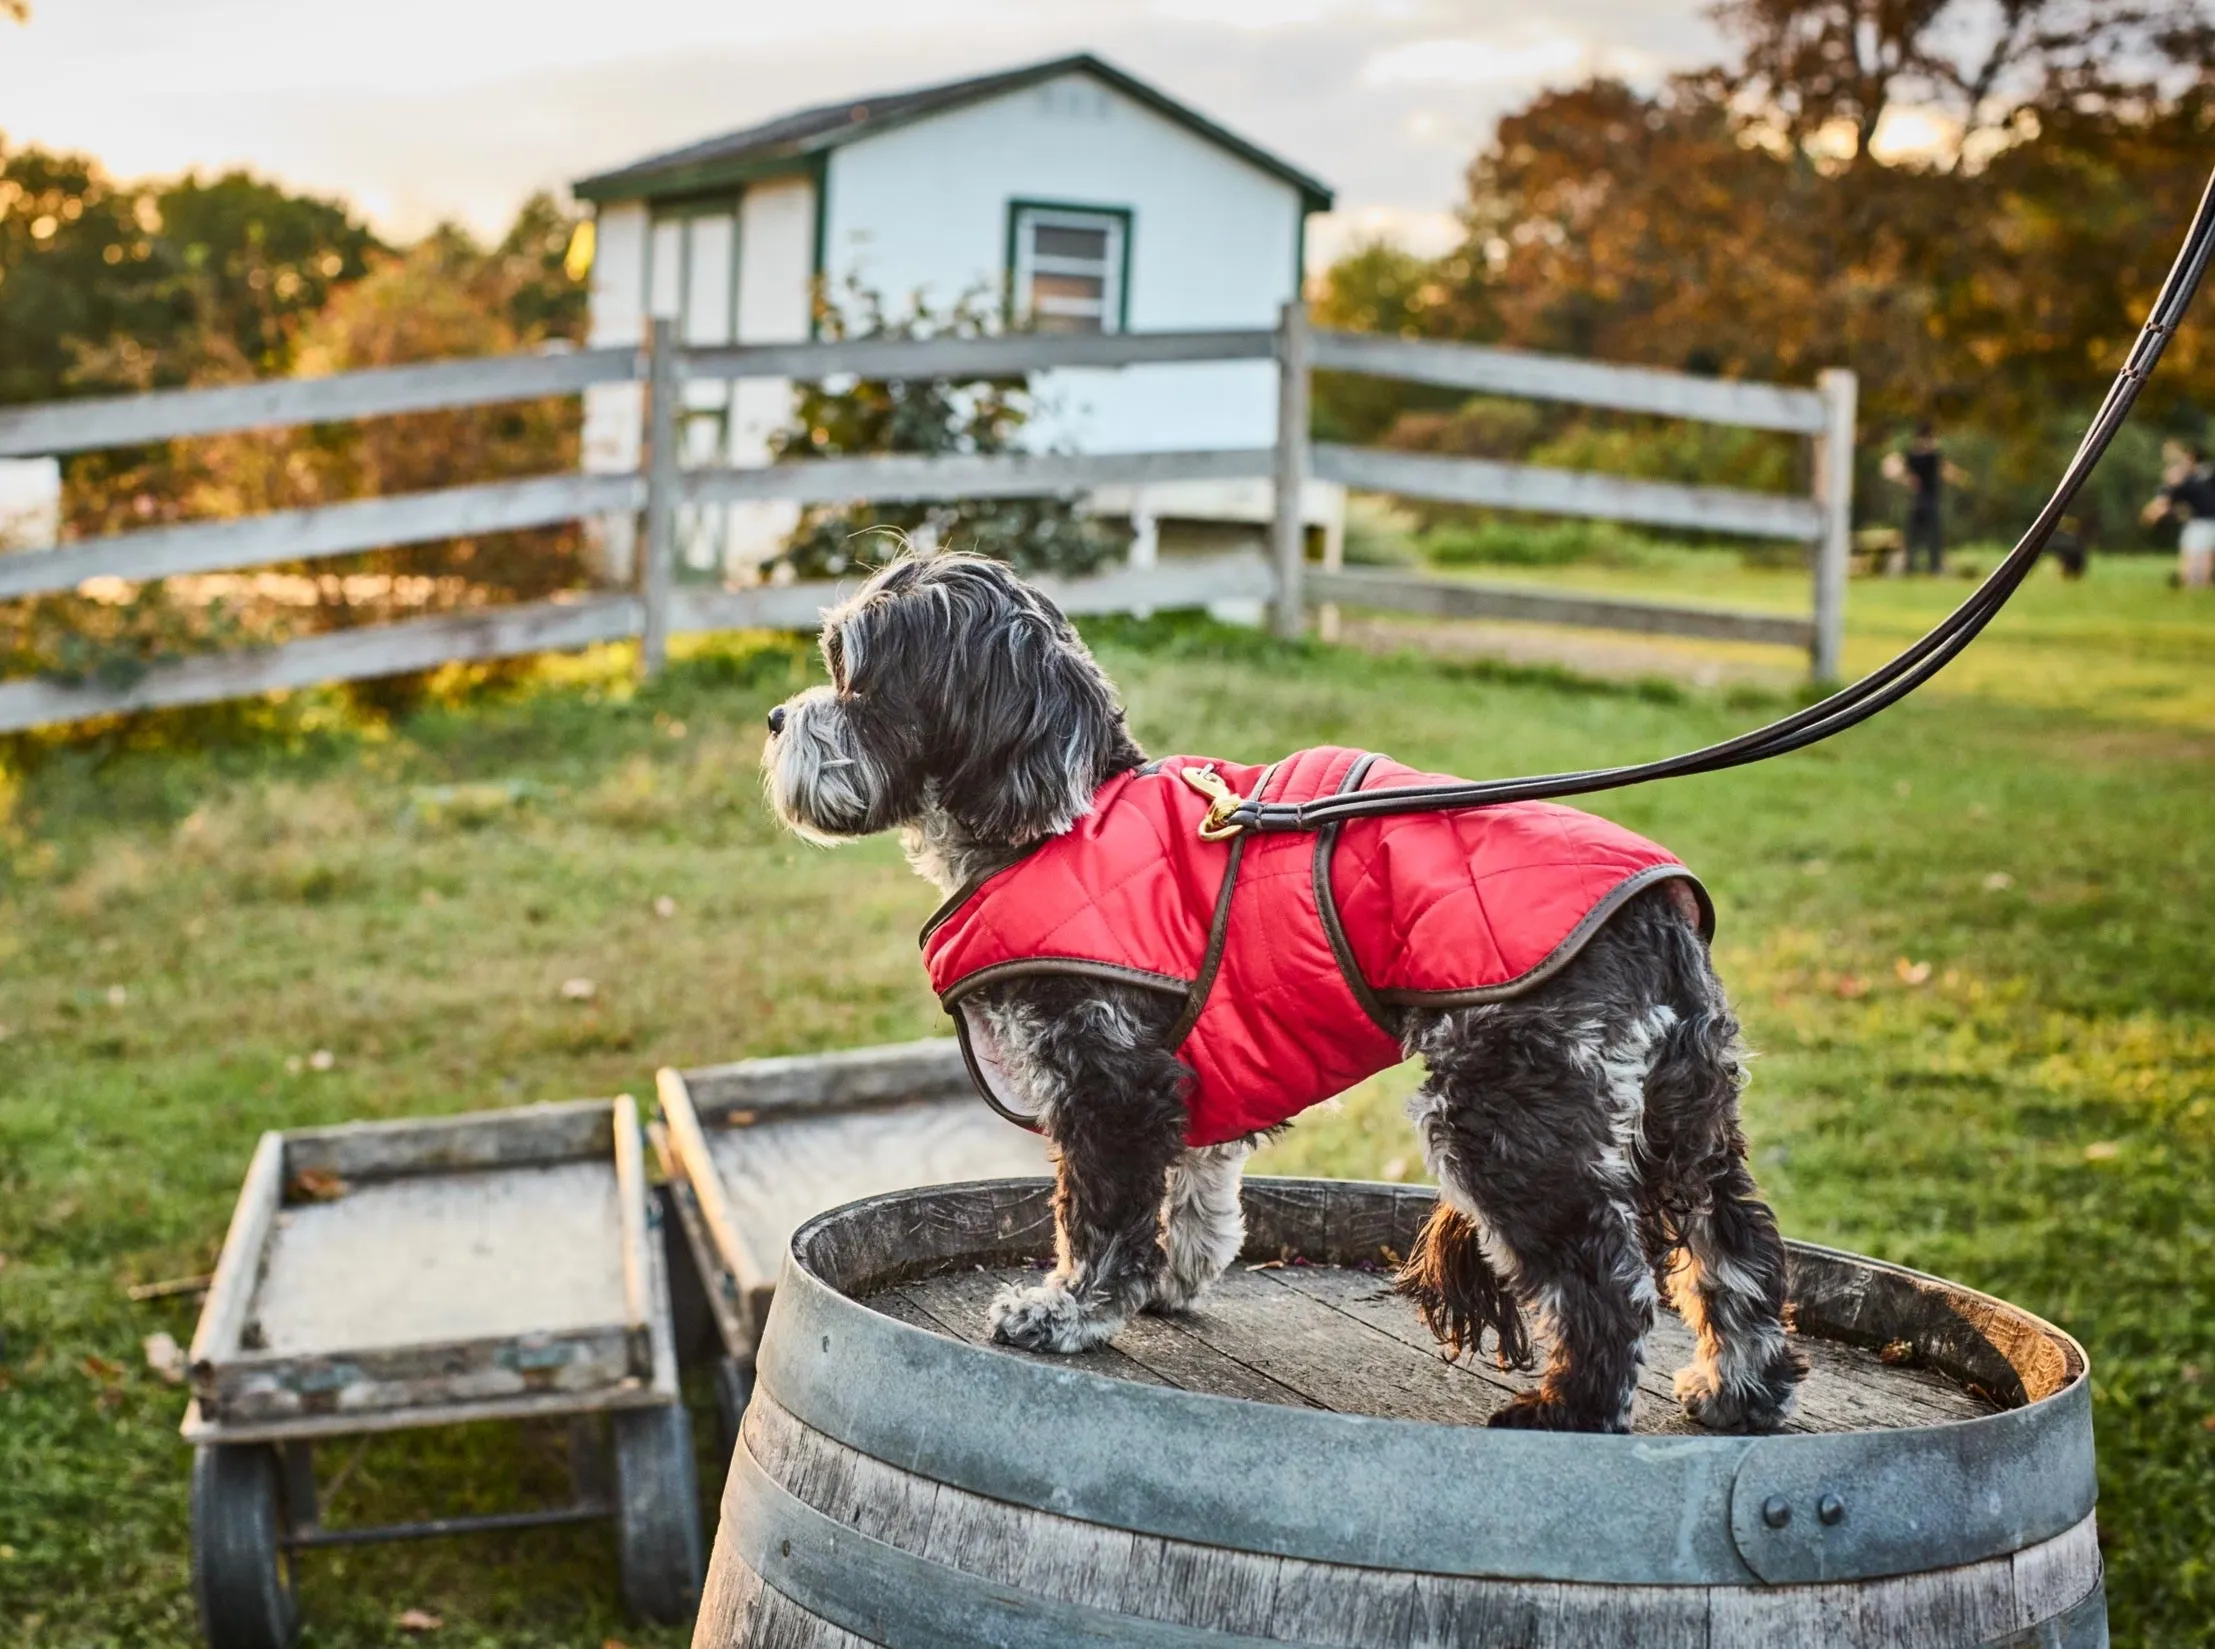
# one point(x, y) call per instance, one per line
point(1846, 708)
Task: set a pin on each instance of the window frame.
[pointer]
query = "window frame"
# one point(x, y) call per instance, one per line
point(1115, 313)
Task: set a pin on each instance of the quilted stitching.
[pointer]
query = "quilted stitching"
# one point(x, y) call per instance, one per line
point(1432, 902)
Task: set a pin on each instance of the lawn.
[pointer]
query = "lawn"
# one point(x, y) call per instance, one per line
point(1968, 940)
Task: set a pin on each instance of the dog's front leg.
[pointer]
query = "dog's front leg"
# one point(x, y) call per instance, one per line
point(1203, 1225)
point(1112, 1104)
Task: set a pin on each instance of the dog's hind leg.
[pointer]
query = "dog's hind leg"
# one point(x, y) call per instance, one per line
point(1726, 1276)
point(1519, 1125)
point(1089, 1062)
point(1202, 1225)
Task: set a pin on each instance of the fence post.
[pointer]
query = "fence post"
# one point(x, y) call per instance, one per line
point(657, 561)
point(1290, 530)
point(1834, 496)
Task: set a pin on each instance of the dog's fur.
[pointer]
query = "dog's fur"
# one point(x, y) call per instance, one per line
point(1584, 1135)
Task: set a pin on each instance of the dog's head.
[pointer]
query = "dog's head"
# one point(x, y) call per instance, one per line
point(954, 686)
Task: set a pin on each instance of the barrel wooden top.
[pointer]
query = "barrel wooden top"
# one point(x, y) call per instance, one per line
point(1336, 1337)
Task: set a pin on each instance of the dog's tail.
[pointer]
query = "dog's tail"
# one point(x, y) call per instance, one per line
point(1458, 1293)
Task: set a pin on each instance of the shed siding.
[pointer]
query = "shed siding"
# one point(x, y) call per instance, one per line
point(923, 209)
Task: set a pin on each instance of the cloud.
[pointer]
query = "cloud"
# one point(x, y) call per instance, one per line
point(1473, 62)
point(458, 110)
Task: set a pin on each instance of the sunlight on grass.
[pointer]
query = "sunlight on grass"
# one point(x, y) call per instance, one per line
point(1968, 943)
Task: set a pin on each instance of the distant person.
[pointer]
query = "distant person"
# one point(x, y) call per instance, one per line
point(2188, 493)
point(1922, 468)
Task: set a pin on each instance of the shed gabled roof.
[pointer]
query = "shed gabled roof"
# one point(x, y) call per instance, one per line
point(789, 141)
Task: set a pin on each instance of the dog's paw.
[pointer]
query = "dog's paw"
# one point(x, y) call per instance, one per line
point(1047, 1318)
point(1535, 1411)
point(1173, 1295)
point(1735, 1406)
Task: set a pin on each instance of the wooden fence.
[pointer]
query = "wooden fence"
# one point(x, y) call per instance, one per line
point(659, 607)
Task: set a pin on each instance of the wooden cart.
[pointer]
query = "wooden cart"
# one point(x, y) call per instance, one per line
point(754, 1149)
point(387, 1275)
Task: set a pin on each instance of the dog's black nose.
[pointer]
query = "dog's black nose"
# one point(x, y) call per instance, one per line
point(776, 720)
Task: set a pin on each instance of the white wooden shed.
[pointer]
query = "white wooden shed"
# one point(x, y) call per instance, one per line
point(1068, 193)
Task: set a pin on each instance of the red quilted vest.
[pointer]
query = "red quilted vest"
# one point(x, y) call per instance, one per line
point(1291, 950)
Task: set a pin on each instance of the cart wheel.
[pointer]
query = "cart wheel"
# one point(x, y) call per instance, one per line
point(241, 1578)
point(734, 1388)
point(657, 1513)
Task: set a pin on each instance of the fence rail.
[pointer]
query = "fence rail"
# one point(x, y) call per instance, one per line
point(172, 414)
point(660, 607)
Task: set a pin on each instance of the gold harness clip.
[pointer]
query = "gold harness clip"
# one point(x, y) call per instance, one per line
point(1222, 801)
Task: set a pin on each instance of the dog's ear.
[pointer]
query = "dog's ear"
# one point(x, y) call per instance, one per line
point(1034, 724)
point(977, 683)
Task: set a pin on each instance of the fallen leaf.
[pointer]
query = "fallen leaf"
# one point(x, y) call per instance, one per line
point(166, 1358)
point(1396, 1168)
point(2208, 1424)
point(1897, 1352)
point(419, 1620)
point(118, 995)
point(2192, 1374)
point(322, 1060)
point(613, 1643)
point(676, 730)
point(1266, 1265)
point(578, 990)
point(102, 1370)
point(2103, 1150)
point(1998, 882)
point(316, 1185)
point(665, 907)
point(1851, 986)
point(1912, 973)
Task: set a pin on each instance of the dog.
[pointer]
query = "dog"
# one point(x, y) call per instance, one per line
point(1579, 1112)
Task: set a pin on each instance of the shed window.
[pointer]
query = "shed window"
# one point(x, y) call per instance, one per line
point(1069, 268)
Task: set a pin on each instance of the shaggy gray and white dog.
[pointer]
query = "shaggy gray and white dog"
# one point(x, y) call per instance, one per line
point(1584, 1134)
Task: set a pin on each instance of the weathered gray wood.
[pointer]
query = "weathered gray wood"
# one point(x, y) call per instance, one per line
point(1834, 497)
point(1453, 598)
point(1288, 526)
point(791, 1166)
point(1568, 492)
point(1164, 587)
point(658, 568)
point(430, 1258)
point(341, 655)
point(202, 1427)
point(1058, 1560)
point(256, 1388)
point(130, 420)
point(899, 478)
point(736, 1277)
point(727, 1303)
point(973, 357)
point(1538, 377)
point(630, 1202)
point(928, 1069)
point(526, 1136)
point(224, 1313)
point(327, 530)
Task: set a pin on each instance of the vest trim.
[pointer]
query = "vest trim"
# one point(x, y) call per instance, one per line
point(1565, 952)
point(1080, 965)
point(1326, 906)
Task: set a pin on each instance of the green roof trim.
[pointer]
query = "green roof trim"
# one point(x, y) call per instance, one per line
point(796, 142)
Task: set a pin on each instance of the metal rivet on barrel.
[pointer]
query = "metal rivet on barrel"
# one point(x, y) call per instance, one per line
point(1831, 1510)
point(1776, 1511)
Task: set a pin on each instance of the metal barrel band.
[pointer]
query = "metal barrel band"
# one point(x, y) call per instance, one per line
point(892, 1597)
point(1225, 1472)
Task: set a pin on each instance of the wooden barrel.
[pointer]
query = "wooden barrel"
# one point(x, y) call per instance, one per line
point(1293, 1463)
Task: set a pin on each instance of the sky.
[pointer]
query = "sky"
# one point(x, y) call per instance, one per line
point(420, 110)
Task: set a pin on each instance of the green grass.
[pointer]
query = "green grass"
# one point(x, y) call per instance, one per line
point(179, 932)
